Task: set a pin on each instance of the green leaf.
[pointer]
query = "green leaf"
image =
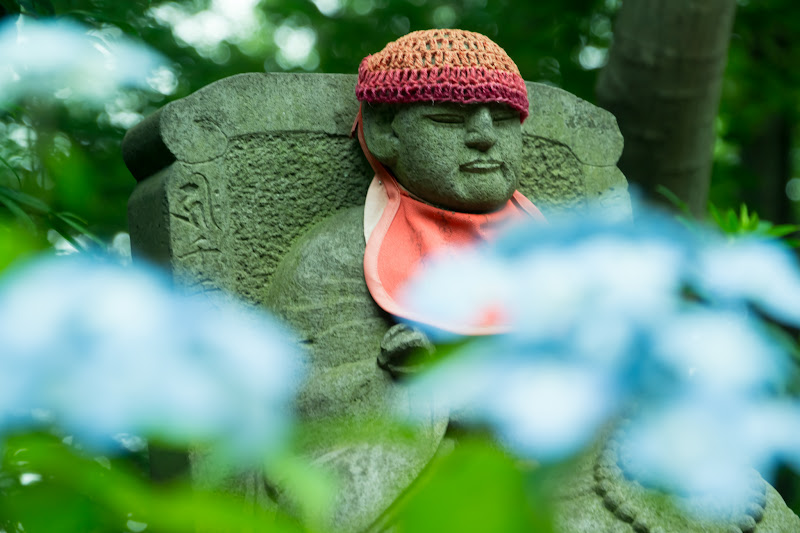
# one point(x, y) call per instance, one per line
point(687, 222)
point(674, 200)
point(18, 212)
point(73, 216)
point(783, 230)
point(60, 222)
point(12, 169)
point(731, 222)
point(68, 237)
point(102, 496)
point(38, 7)
point(477, 487)
point(85, 15)
point(314, 485)
point(26, 200)
point(77, 224)
point(748, 221)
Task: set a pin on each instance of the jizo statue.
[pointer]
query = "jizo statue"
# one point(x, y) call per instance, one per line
point(440, 124)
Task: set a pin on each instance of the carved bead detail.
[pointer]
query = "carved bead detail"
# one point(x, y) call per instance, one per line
point(756, 511)
point(606, 461)
point(611, 501)
point(746, 524)
point(620, 493)
point(625, 513)
point(760, 499)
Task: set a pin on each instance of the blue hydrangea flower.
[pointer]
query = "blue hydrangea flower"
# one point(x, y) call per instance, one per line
point(646, 320)
point(48, 56)
point(115, 350)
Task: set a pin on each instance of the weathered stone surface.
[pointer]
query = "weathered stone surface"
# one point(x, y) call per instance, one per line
point(342, 327)
point(552, 170)
point(590, 133)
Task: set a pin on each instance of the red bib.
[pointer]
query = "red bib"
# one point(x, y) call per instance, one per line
point(402, 232)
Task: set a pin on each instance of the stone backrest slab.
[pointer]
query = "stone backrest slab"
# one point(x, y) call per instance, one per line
point(231, 175)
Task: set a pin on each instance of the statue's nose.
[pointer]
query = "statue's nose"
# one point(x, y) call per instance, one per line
point(480, 130)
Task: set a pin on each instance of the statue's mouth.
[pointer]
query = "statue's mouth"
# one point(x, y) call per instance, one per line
point(481, 166)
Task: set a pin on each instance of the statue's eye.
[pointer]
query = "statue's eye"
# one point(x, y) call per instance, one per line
point(501, 117)
point(446, 118)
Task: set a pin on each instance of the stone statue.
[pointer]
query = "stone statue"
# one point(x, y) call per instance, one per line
point(254, 186)
point(445, 171)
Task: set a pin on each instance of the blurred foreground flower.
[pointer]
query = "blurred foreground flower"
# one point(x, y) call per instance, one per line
point(106, 350)
point(65, 59)
point(649, 321)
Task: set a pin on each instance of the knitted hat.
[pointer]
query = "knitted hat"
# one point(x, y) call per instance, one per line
point(442, 66)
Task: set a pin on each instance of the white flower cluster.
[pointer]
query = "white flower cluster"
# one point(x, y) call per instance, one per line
point(108, 350)
point(649, 321)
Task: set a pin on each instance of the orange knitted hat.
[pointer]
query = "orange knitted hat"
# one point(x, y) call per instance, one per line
point(442, 66)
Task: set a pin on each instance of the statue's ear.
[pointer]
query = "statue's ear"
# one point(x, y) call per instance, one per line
point(379, 134)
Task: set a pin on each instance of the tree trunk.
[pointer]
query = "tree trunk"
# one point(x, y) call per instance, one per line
point(663, 82)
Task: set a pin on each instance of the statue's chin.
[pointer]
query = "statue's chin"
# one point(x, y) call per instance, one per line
point(480, 201)
point(464, 192)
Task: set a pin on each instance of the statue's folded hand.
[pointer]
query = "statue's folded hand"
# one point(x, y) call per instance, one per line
point(404, 350)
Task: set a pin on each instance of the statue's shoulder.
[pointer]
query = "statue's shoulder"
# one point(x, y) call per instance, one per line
point(319, 290)
point(334, 247)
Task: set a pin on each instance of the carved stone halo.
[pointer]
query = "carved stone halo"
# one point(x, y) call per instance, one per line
point(650, 511)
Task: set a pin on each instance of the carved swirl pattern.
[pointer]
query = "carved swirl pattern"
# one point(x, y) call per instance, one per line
point(197, 234)
point(625, 497)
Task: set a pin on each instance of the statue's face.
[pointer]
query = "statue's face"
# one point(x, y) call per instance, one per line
point(459, 157)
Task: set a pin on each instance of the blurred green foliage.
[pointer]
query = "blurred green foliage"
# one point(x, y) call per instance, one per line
point(52, 487)
point(61, 169)
point(735, 222)
point(49, 486)
point(746, 222)
point(72, 152)
point(477, 487)
point(760, 110)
